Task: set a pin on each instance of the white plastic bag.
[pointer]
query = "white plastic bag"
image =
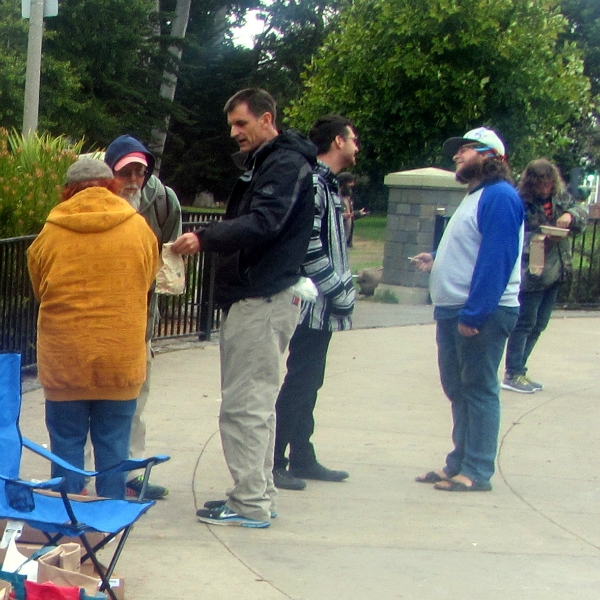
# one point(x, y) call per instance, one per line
point(170, 278)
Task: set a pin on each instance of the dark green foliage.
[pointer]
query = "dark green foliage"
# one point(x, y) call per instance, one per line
point(412, 73)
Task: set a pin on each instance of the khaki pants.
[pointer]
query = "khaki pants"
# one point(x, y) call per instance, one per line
point(253, 339)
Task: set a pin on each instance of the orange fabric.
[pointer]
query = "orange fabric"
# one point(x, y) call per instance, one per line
point(91, 268)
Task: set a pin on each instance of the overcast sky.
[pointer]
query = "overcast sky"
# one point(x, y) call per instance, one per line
point(243, 35)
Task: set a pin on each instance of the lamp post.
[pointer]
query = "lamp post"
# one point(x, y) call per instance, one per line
point(35, 10)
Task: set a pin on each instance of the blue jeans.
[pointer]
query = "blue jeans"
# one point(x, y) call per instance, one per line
point(469, 375)
point(109, 425)
point(534, 315)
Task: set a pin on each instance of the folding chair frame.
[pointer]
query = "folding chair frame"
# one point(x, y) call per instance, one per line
point(19, 496)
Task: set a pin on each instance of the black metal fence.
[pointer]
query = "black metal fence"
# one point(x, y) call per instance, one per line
point(191, 313)
point(584, 289)
point(18, 307)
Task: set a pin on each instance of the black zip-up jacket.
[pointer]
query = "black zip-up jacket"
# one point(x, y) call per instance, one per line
point(263, 239)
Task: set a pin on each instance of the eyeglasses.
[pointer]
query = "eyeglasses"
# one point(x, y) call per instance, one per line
point(354, 138)
point(127, 173)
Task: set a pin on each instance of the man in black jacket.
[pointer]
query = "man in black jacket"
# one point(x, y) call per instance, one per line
point(261, 245)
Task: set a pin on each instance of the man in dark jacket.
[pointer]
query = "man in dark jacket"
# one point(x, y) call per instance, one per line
point(261, 245)
point(132, 165)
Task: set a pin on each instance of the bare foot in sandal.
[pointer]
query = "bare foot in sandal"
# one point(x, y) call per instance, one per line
point(461, 483)
point(432, 477)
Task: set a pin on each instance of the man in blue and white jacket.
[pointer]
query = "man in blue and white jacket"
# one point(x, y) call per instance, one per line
point(474, 286)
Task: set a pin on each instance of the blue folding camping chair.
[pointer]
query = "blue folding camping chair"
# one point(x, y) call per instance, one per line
point(57, 514)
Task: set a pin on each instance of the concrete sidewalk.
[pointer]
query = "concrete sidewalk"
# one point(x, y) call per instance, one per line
point(382, 416)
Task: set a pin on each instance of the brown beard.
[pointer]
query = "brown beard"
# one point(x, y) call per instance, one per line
point(469, 173)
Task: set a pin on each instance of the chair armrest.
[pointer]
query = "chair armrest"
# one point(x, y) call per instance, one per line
point(132, 464)
point(36, 485)
point(127, 465)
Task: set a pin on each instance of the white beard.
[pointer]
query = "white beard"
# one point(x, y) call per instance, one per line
point(133, 197)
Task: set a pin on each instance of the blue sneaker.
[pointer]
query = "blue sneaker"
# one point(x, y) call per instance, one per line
point(223, 515)
point(212, 504)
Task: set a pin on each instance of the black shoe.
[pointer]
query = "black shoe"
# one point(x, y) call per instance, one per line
point(153, 492)
point(318, 471)
point(283, 479)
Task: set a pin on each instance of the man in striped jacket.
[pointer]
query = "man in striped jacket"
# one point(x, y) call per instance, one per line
point(327, 265)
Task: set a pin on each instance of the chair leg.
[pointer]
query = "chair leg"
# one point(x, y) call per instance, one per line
point(103, 573)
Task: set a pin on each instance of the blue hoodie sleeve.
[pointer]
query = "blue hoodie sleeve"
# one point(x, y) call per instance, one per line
point(500, 217)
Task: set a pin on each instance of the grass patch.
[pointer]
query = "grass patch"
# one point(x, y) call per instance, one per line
point(368, 243)
point(385, 297)
point(371, 228)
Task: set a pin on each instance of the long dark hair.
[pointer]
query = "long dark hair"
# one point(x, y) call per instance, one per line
point(537, 172)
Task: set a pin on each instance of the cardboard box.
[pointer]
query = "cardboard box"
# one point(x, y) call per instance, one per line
point(35, 536)
point(4, 590)
point(537, 254)
point(86, 577)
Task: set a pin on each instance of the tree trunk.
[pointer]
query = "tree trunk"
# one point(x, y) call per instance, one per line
point(167, 88)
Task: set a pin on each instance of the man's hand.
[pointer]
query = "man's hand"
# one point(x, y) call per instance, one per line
point(565, 220)
point(467, 331)
point(423, 261)
point(188, 243)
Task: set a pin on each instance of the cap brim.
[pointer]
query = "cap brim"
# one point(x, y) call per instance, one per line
point(130, 159)
point(451, 145)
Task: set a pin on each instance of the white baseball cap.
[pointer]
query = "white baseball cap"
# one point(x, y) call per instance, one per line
point(482, 135)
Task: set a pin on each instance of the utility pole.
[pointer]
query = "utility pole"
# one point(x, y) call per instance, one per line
point(35, 11)
point(34, 66)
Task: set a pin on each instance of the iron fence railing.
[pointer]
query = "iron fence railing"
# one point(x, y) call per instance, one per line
point(18, 307)
point(584, 289)
point(191, 313)
point(194, 313)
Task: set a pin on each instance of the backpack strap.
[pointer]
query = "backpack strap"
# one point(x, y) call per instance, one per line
point(161, 206)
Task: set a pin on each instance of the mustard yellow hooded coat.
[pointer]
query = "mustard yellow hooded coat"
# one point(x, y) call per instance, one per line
point(91, 268)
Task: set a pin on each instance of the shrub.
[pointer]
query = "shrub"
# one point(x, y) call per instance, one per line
point(32, 173)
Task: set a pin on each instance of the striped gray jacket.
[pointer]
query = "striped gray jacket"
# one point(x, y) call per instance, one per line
point(326, 261)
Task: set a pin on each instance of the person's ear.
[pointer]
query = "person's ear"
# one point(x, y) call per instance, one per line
point(266, 119)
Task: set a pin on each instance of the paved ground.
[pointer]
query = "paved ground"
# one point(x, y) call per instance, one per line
point(379, 535)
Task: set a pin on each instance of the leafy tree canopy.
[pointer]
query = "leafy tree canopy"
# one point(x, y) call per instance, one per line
point(584, 28)
point(411, 73)
point(197, 154)
point(114, 53)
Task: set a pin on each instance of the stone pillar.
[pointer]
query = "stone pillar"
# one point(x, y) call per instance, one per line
point(415, 197)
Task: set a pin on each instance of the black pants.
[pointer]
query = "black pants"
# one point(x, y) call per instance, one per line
point(298, 396)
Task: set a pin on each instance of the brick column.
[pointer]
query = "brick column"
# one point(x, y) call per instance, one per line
point(414, 199)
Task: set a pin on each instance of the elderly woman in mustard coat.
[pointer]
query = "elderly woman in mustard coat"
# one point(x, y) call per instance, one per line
point(91, 268)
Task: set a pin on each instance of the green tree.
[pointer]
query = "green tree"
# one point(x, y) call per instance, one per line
point(293, 32)
point(413, 72)
point(198, 149)
point(584, 21)
point(114, 53)
point(57, 77)
point(197, 153)
point(13, 46)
